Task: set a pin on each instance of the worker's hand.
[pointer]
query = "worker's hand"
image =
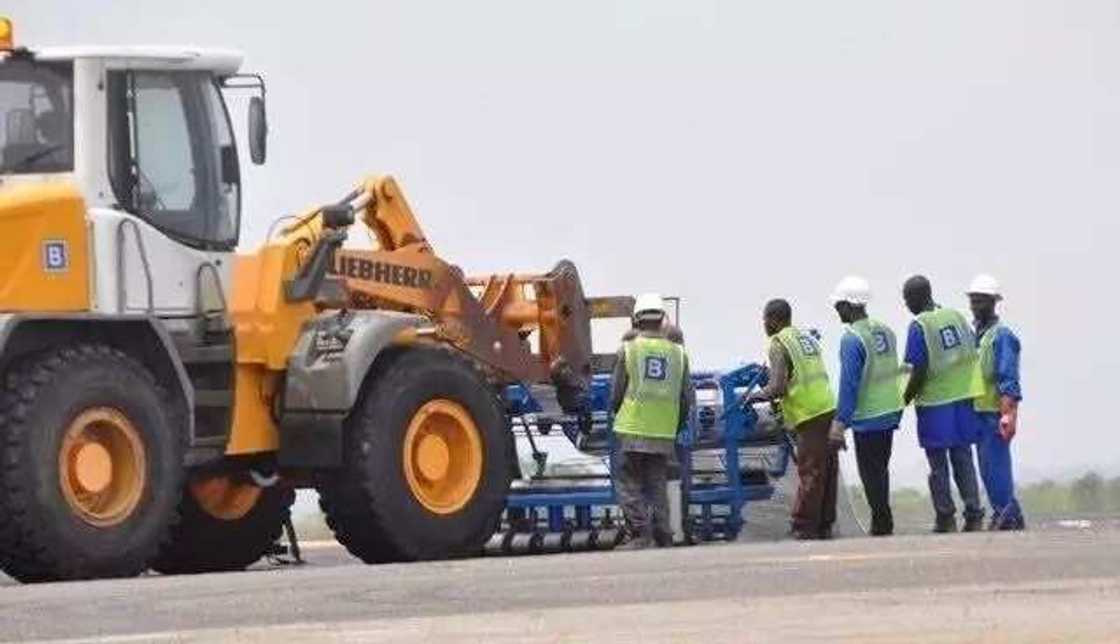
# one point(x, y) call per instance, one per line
point(1008, 418)
point(836, 438)
point(1007, 428)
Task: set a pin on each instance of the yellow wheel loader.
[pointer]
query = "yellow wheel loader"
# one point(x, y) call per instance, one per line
point(163, 396)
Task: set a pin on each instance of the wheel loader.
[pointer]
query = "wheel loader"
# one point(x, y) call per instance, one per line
point(163, 395)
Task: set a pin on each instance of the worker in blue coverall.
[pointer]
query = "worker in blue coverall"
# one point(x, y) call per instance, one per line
point(997, 408)
point(941, 351)
point(869, 400)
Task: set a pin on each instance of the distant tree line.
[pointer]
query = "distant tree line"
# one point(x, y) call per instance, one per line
point(1087, 494)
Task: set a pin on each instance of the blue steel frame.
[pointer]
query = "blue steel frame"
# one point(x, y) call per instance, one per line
point(709, 510)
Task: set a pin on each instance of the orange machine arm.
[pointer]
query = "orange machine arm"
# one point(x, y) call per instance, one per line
point(389, 217)
point(490, 318)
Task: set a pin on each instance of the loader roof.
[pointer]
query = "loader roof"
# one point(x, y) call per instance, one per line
point(221, 61)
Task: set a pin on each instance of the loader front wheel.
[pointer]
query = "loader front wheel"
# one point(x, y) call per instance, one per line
point(90, 466)
point(228, 523)
point(428, 461)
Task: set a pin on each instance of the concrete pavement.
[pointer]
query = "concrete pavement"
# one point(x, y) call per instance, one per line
point(1058, 585)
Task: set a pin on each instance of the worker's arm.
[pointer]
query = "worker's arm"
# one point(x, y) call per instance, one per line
point(620, 380)
point(852, 358)
point(1006, 350)
point(779, 376)
point(687, 394)
point(918, 359)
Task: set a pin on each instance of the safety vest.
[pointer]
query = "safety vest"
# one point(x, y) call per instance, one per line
point(880, 387)
point(809, 395)
point(985, 372)
point(652, 405)
point(951, 346)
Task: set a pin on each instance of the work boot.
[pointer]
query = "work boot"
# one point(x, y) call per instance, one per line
point(882, 527)
point(1007, 525)
point(974, 524)
point(635, 543)
point(945, 523)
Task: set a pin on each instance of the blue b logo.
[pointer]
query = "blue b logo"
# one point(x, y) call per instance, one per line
point(950, 338)
point(55, 259)
point(881, 343)
point(657, 368)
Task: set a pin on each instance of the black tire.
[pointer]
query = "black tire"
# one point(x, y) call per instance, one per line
point(42, 538)
point(202, 542)
point(368, 503)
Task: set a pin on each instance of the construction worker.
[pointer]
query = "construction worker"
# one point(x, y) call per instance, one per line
point(942, 355)
point(651, 398)
point(997, 406)
point(869, 396)
point(798, 377)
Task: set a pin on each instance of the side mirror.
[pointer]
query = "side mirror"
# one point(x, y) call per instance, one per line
point(258, 130)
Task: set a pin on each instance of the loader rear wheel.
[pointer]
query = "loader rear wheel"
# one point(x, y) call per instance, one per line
point(227, 524)
point(427, 461)
point(90, 466)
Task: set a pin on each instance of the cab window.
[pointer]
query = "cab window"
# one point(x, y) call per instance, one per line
point(173, 160)
point(36, 116)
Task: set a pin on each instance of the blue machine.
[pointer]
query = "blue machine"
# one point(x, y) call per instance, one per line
point(727, 456)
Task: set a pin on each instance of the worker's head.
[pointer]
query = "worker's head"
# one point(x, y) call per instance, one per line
point(918, 294)
point(983, 293)
point(649, 312)
point(776, 316)
point(850, 297)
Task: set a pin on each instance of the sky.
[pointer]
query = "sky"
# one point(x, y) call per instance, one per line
point(726, 153)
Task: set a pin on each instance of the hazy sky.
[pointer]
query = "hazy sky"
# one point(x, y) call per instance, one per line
point(724, 152)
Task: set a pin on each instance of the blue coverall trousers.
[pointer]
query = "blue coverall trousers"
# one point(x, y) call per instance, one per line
point(994, 455)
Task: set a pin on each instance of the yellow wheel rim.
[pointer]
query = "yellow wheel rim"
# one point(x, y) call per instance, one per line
point(223, 498)
point(442, 456)
point(102, 466)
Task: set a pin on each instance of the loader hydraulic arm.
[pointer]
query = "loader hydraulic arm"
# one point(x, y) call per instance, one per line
point(490, 318)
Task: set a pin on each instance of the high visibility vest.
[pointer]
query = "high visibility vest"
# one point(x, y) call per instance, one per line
point(809, 395)
point(951, 346)
point(652, 405)
point(880, 386)
point(985, 372)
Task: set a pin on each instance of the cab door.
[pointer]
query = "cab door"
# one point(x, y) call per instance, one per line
point(175, 174)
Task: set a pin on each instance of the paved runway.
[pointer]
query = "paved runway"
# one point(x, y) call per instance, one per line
point(1043, 585)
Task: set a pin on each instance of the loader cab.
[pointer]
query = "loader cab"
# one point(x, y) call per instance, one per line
point(146, 136)
point(144, 131)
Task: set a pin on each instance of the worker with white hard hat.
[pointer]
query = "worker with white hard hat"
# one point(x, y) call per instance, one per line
point(997, 406)
point(869, 398)
point(651, 397)
point(798, 377)
point(941, 352)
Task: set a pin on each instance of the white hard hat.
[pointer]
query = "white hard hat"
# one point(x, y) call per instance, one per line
point(853, 290)
point(649, 303)
point(984, 284)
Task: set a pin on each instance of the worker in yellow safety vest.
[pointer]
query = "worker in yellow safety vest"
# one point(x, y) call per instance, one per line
point(869, 396)
point(651, 397)
point(798, 377)
point(941, 351)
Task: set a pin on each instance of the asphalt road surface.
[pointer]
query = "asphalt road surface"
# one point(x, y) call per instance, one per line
point(1044, 585)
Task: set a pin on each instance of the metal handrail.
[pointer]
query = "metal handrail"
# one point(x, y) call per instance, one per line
point(122, 289)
